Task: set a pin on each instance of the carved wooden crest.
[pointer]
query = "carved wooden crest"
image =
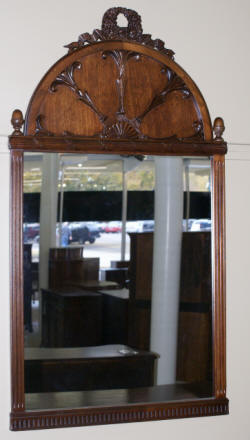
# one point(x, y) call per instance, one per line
point(118, 83)
point(111, 31)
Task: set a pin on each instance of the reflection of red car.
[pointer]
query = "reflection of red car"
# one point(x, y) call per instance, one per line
point(113, 227)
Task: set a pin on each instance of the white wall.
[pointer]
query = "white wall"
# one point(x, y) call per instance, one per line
point(211, 41)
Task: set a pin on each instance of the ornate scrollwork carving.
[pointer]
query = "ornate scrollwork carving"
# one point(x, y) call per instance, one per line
point(66, 78)
point(40, 130)
point(121, 57)
point(111, 31)
point(120, 126)
point(174, 84)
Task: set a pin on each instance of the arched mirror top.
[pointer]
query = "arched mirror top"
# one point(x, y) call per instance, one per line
point(118, 84)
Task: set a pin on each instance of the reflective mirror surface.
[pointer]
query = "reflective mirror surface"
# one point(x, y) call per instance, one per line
point(117, 279)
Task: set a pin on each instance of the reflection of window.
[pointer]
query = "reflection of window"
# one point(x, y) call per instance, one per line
point(196, 175)
point(81, 174)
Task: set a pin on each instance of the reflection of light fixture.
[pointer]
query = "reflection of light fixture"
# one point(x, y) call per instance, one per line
point(32, 181)
point(85, 168)
point(79, 165)
point(35, 169)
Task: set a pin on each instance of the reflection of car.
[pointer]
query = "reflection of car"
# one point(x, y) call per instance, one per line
point(190, 222)
point(113, 227)
point(201, 225)
point(99, 225)
point(81, 233)
point(134, 226)
point(148, 225)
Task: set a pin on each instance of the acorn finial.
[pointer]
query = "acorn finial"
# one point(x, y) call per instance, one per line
point(218, 129)
point(17, 122)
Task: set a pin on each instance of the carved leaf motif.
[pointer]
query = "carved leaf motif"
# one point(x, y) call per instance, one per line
point(174, 83)
point(66, 78)
point(121, 58)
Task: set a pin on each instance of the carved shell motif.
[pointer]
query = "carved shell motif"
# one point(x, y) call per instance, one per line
point(120, 130)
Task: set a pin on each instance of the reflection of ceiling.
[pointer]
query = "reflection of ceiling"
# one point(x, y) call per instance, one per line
point(76, 164)
point(33, 162)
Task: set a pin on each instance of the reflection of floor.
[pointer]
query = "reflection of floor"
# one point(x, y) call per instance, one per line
point(118, 397)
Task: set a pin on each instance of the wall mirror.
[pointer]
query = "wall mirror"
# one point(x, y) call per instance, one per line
point(118, 291)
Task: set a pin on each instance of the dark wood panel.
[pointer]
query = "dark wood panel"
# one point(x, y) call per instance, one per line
point(110, 370)
point(115, 318)
point(194, 355)
point(71, 318)
point(78, 144)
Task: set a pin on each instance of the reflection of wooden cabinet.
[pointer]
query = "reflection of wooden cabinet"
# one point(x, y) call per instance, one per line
point(140, 275)
point(67, 264)
point(91, 368)
point(194, 357)
point(115, 316)
point(71, 318)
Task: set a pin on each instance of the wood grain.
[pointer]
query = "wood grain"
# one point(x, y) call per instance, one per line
point(219, 285)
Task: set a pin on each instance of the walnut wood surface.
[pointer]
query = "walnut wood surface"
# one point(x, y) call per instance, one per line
point(219, 287)
point(158, 410)
point(17, 314)
point(146, 94)
point(78, 144)
point(117, 91)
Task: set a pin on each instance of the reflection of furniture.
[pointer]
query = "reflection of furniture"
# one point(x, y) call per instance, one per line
point(71, 318)
point(27, 286)
point(94, 285)
point(140, 275)
point(119, 264)
point(67, 264)
point(117, 274)
point(115, 316)
point(73, 369)
point(194, 357)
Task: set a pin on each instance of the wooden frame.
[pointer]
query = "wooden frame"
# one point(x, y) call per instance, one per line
point(21, 419)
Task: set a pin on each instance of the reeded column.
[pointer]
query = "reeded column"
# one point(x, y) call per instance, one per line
point(166, 264)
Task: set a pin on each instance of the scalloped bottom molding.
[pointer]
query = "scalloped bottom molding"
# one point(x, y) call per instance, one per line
point(87, 417)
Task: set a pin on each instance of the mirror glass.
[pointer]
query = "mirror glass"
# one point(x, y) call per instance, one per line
point(117, 279)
